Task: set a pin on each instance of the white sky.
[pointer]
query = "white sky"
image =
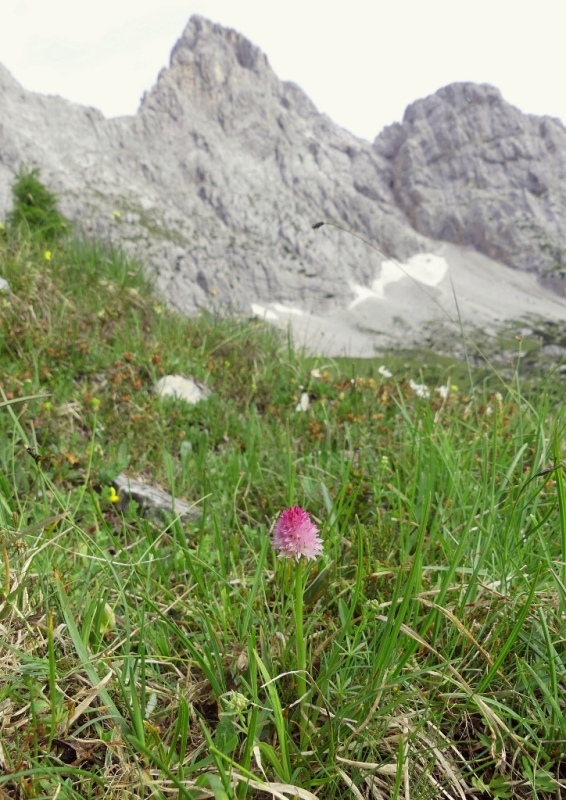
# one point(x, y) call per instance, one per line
point(361, 61)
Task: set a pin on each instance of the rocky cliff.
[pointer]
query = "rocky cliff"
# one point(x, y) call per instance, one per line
point(468, 168)
point(216, 181)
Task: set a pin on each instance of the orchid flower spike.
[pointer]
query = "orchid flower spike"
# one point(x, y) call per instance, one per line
point(295, 535)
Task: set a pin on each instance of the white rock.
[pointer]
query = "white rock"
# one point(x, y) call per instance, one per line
point(182, 388)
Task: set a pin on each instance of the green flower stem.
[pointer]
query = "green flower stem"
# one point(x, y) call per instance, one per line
point(301, 644)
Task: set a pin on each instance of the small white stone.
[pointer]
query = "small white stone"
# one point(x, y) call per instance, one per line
point(182, 388)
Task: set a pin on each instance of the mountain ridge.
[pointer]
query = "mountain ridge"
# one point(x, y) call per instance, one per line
point(216, 181)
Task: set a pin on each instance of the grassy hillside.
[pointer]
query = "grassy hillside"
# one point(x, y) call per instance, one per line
point(154, 658)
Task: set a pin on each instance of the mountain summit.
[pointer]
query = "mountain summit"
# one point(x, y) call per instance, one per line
point(217, 180)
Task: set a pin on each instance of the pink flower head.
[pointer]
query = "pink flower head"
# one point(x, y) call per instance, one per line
point(295, 535)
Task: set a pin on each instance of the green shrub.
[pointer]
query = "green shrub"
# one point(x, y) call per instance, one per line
point(35, 208)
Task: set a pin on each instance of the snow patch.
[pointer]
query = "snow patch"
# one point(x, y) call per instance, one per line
point(273, 311)
point(425, 268)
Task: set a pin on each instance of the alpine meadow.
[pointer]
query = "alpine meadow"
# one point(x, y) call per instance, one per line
point(365, 599)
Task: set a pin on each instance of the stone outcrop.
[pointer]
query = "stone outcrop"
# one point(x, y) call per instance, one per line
point(468, 168)
point(217, 180)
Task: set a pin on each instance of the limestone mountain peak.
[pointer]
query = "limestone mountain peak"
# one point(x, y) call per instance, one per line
point(203, 36)
point(221, 174)
point(211, 67)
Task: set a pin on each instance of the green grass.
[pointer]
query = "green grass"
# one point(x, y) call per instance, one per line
point(146, 659)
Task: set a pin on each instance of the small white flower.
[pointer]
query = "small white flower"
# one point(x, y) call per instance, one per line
point(385, 372)
point(443, 391)
point(304, 403)
point(420, 389)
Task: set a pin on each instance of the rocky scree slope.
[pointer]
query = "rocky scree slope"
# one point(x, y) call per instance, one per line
point(216, 181)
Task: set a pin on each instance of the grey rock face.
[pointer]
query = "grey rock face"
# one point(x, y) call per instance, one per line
point(468, 168)
point(217, 180)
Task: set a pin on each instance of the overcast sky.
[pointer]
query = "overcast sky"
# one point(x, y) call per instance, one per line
point(361, 61)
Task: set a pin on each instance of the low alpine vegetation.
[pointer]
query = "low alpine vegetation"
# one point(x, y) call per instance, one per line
point(409, 643)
